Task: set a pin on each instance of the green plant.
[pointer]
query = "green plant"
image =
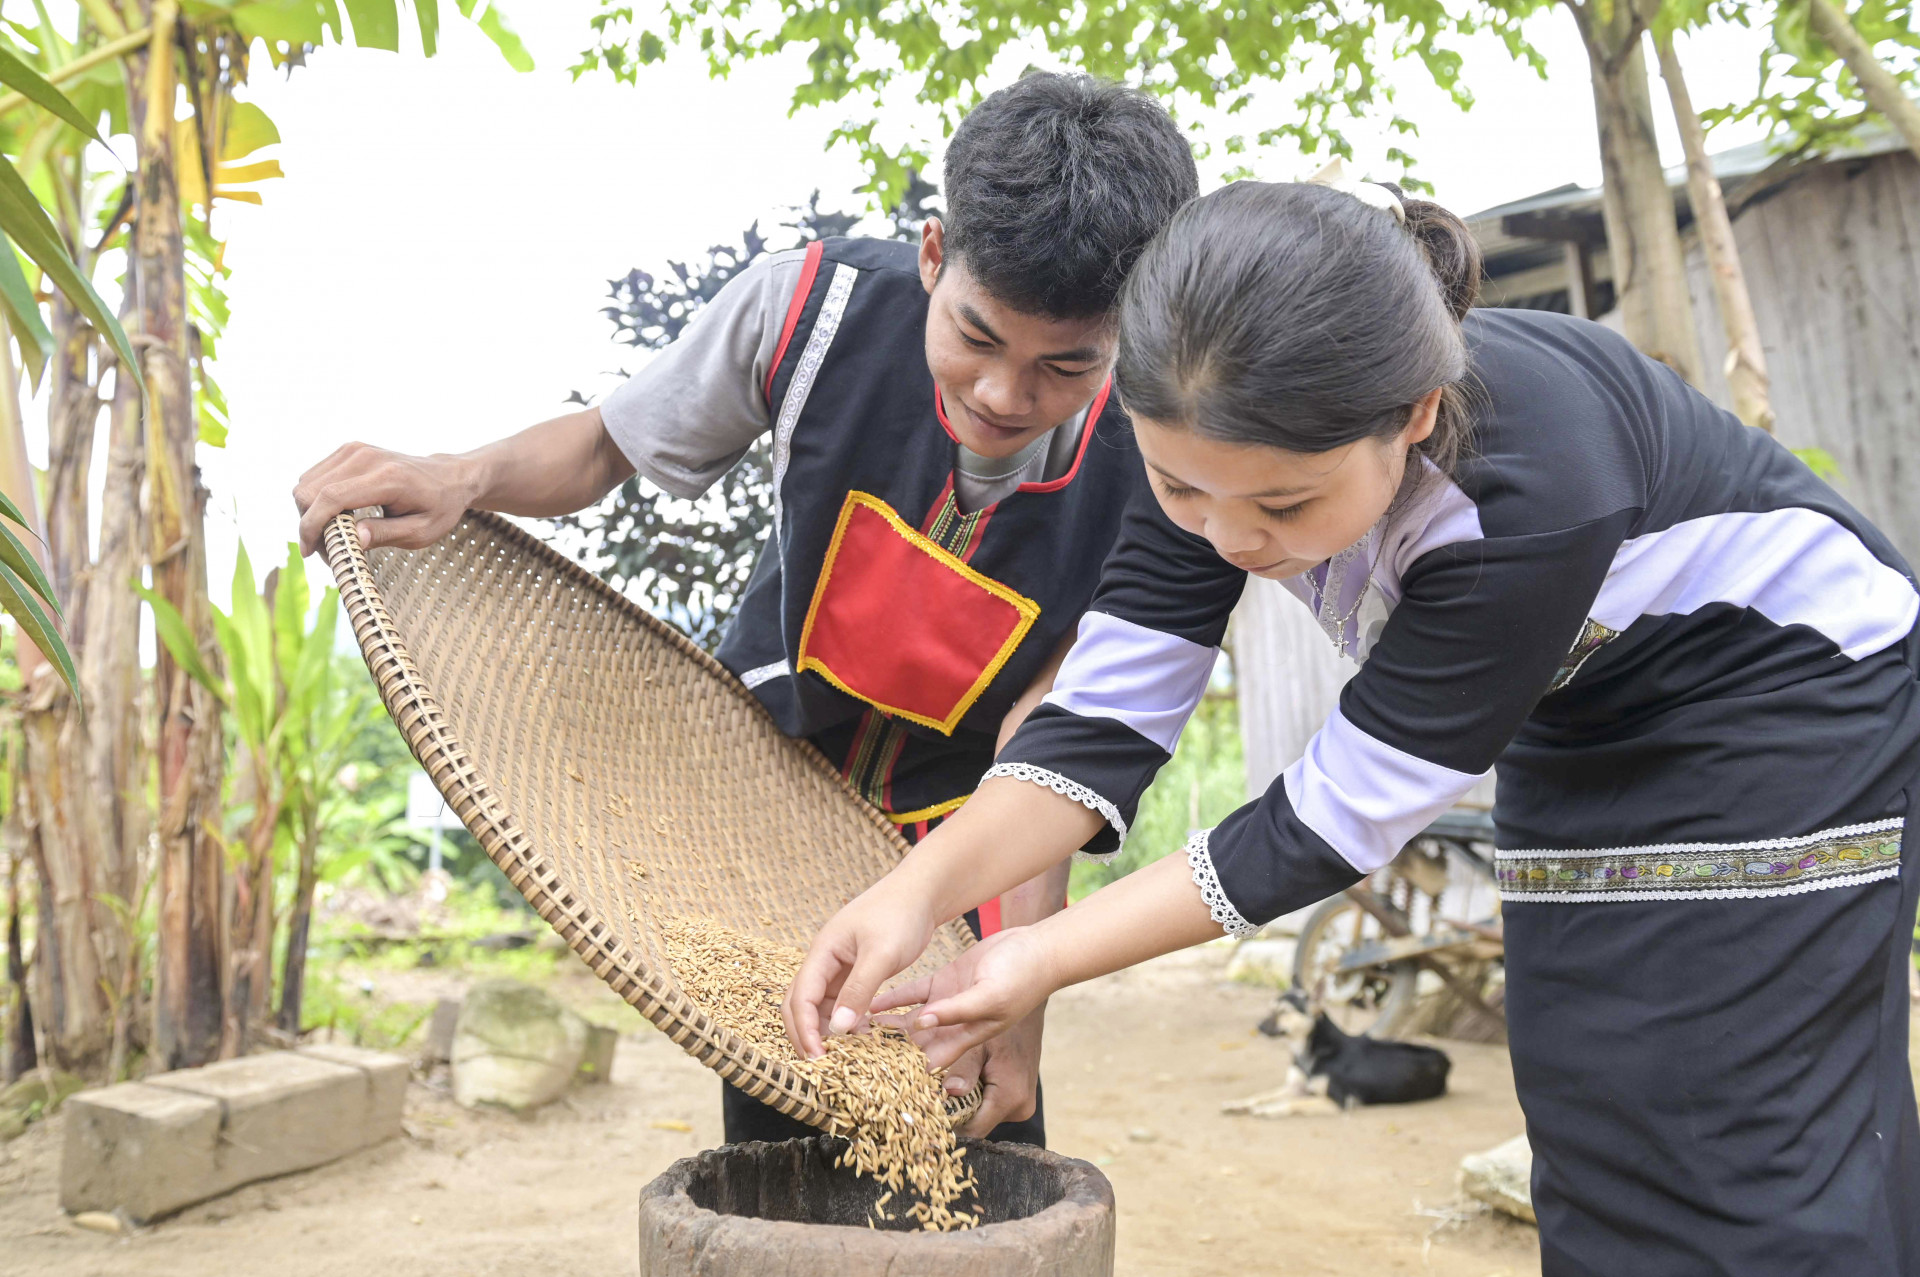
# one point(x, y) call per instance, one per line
point(1205, 781)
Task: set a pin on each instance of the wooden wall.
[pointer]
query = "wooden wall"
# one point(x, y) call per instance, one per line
point(1833, 262)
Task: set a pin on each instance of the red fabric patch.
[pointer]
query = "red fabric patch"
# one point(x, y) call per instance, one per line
point(989, 917)
point(904, 625)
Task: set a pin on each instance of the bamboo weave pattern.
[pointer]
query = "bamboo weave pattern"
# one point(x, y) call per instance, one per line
point(617, 774)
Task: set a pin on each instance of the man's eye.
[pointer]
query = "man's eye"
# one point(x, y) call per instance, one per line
point(1068, 372)
point(975, 342)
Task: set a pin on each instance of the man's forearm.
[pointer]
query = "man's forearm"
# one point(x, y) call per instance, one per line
point(554, 468)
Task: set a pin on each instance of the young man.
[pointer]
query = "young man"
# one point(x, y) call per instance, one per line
point(950, 468)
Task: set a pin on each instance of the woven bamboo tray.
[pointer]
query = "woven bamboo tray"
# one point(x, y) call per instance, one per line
point(617, 774)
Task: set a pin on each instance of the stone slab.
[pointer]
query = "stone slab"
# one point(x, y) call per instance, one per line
point(597, 1064)
point(1502, 1178)
point(446, 1017)
point(150, 1148)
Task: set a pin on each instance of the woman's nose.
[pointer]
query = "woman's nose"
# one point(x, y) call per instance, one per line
point(1236, 540)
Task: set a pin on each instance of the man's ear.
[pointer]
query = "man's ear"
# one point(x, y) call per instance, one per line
point(933, 251)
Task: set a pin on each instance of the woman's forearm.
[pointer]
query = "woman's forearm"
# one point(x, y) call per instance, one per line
point(554, 468)
point(1009, 832)
point(1152, 911)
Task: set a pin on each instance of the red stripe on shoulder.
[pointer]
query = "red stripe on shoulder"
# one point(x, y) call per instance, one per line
point(1098, 406)
point(808, 270)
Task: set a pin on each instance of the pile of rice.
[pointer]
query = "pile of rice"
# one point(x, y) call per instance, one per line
point(885, 1102)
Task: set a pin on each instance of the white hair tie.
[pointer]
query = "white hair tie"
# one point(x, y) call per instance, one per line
point(1373, 194)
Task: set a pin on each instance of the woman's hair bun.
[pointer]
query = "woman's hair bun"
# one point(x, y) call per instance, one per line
point(1450, 247)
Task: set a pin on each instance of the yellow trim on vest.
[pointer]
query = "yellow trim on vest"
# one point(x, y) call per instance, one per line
point(1028, 610)
point(926, 813)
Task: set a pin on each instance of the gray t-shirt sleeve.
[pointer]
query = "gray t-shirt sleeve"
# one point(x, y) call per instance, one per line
point(696, 407)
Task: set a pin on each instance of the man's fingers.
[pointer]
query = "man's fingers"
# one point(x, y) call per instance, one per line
point(964, 1075)
point(910, 994)
point(409, 532)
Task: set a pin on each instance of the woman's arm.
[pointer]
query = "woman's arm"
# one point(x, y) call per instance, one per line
point(998, 983)
point(1007, 833)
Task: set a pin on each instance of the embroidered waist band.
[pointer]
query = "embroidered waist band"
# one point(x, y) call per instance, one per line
point(1684, 871)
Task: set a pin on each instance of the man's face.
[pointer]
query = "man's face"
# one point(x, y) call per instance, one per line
point(1005, 377)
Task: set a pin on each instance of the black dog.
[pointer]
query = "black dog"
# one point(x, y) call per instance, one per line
point(1331, 1067)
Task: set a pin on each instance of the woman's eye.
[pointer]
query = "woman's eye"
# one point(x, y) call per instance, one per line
point(1175, 492)
point(1285, 512)
point(1068, 372)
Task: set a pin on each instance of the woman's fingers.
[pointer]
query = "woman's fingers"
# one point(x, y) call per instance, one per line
point(944, 1046)
point(910, 994)
point(806, 998)
point(858, 989)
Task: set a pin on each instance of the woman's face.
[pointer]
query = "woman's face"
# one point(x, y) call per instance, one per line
point(1275, 513)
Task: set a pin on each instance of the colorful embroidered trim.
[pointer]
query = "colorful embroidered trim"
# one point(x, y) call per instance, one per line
point(1593, 637)
point(1025, 610)
point(1683, 871)
point(800, 385)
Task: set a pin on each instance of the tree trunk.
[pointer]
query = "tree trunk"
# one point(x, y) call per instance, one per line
point(21, 1055)
point(293, 972)
point(250, 986)
point(1746, 361)
point(1882, 90)
point(1643, 239)
point(187, 1011)
point(76, 934)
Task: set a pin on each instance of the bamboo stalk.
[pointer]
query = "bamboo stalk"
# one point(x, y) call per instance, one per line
point(1746, 361)
point(82, 64)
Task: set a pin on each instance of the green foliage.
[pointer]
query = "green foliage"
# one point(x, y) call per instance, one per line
point(1329, 56)
point(1821, 462)
point(1205, 782)
point(357, 1013)
point(1807, 97)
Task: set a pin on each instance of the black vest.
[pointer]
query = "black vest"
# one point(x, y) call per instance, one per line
point(880, 622)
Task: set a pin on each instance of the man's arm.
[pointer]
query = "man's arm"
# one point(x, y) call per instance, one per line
point(556, 467)
point(684, 419)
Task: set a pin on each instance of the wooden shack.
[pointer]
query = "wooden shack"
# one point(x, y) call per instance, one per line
point(1829, 245)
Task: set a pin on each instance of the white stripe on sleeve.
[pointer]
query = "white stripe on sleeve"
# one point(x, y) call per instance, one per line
point(1146, 679)
point(1365, 798)
point(1793, 566)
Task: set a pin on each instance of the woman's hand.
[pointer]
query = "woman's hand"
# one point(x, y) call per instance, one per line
point(874, 938)
point(979, 995)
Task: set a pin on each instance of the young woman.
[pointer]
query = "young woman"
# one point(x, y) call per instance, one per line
point(1693, 662)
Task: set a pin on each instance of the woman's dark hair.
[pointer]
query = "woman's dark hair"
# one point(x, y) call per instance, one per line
point(1055, 184)
point(1300, 317)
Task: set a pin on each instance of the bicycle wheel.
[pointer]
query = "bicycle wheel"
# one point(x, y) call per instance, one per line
point(1372, 1000)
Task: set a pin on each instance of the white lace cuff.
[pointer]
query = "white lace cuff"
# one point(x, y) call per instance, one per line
point(1068, 789)
point(1200, 861)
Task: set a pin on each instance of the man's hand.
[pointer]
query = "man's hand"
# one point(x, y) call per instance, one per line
point(423, 497)
point(1008, 1069)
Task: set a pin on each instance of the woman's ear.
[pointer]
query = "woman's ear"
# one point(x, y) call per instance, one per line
point(933, 251)
point(1426, 412)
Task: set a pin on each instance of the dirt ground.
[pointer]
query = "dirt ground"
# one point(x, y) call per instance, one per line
point(1137, 1066)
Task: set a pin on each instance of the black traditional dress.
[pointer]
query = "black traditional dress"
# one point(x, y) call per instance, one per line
point(1695, 666)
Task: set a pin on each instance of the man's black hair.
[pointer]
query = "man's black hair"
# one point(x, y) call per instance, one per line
point(1055, 184)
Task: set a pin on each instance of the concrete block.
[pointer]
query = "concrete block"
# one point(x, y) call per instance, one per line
point(597, 1064)
point(149, 1148)
point(143, 1149)
point(385, 1077)
point(446, 1017)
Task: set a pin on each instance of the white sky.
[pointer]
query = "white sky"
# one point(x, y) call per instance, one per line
point(429, 274)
